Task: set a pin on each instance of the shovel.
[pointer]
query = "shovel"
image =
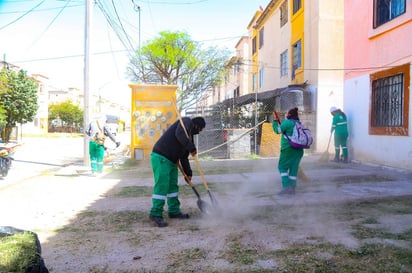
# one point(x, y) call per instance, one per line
point(199, 169)
point(202, 205)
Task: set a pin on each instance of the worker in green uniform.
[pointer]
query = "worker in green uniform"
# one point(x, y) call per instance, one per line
point(172, 148)
point(290, 157)
point(340, 127)
point(97, 133)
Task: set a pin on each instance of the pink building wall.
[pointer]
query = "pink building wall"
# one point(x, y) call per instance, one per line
point(373, 49)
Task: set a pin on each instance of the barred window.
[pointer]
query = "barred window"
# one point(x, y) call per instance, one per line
point(284, 13)
point(386, 10)
point(390, 102)
point(284, 63)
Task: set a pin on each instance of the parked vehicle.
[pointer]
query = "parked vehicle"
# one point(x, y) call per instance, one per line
point(5, 160)
point(6, 157)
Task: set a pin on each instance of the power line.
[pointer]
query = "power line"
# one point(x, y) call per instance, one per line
point(41, 10)
point(49, 25)
point(20, 17)
point(69, 56)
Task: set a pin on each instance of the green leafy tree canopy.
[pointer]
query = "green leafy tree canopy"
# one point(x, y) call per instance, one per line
point(67, 112)
point(18, 99)
point(174, 58)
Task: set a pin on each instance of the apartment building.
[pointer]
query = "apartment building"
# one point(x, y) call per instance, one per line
point(296, 59)
point(377, 80)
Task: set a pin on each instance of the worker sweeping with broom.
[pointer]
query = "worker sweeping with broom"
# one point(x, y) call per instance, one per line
point(340, 127)
point(290, 157)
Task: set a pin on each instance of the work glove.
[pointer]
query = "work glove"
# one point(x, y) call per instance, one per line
point(188, 179)
point(117, 144)
point(194, 153)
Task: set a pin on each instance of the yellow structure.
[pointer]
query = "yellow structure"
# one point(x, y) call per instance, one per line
point(152, 112)
point(270, 142)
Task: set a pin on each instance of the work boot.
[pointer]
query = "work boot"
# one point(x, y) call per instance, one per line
point(179, 215)
point(287, 191)
point(335, 160)
point(158, 221)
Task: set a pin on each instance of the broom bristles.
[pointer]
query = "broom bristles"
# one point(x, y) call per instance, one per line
point(324, 157)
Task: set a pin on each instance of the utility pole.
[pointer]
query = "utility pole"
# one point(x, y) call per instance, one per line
point(86, 113)
point(137, 8)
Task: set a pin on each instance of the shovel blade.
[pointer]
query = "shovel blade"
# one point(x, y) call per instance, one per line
point(204, 207)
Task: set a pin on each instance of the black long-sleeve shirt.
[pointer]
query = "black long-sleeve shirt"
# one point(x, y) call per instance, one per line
point(175, 145)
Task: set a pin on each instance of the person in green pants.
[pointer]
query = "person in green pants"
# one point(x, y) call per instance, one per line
point(290, 157)
point(340, 127)
point(97, 133)
point(172, 148)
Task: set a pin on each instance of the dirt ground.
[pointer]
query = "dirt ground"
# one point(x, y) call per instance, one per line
point(100, 224)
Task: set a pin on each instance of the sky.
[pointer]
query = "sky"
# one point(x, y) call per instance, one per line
point(47, 36)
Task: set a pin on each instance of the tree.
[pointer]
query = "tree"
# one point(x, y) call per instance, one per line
point(67, 113)
point(18, 99)
point(173, 58)
point(3, 84)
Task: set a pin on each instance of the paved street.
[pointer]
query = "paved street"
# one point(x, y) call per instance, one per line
point(37, 155)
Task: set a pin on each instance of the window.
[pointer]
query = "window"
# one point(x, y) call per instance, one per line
point(284, 13)
point(296, 57)
point(284, 63)
point(261, 37)
point(297, 4)
point(254, 82)
point(390, 102)
point(253, 45)
point(386, 10)
point(236, 92)
point(261, 77)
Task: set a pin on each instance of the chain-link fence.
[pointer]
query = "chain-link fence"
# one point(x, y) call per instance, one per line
point(242, 127)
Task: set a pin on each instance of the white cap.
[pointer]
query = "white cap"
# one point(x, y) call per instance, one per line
point(333, 109)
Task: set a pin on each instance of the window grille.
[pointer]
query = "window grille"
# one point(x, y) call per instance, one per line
point(387, 101)
point(389, 109)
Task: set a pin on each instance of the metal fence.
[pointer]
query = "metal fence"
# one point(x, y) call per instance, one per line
point(242, 127)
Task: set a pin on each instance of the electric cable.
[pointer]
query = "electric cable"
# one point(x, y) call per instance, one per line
point(20, 17)
point(49, 25)
point(121, 25)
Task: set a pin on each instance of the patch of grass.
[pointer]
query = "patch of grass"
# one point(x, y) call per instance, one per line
point(327, 258)
point(89, 221)
point(254, 156)
point(186, 257)
point(135, 191)
point(239, 253)
point(18, 252)
point(363, 232)
point(372, 208)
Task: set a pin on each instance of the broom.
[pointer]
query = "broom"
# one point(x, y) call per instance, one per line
point(325, 156)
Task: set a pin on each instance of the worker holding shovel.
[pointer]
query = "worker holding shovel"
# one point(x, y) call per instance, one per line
point(173, 146)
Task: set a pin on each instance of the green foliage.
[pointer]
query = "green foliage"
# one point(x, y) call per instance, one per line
point(18, 252)
point(174, 58)
point(18, 99)
point(66, 112)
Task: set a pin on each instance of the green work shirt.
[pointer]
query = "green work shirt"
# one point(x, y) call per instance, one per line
point(339, 124)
